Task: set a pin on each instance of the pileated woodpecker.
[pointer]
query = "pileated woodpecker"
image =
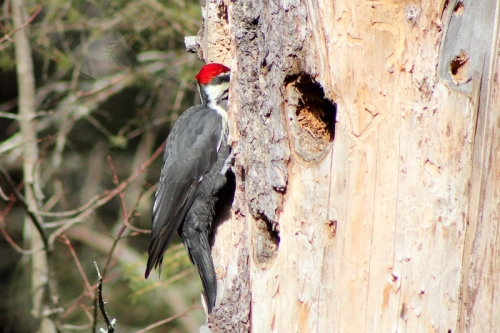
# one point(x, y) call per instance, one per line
point(194, 170)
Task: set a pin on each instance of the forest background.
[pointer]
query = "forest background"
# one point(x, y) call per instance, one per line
point(111, 78)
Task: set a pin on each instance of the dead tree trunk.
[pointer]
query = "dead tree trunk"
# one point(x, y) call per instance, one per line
point(368, 173)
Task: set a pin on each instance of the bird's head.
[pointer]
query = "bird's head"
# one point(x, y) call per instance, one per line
point(213, 85)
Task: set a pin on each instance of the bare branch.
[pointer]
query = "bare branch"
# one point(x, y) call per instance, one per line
point(155, 285)
point(6, 37)
point(8, 115)
point(124, 213)
point(132, 213)
point(110, 323)
point(165, 321)
point(65, 240)
point(11, 201)
point(126, 217)
point(100, 200)
point(14, 245)
point(36, 220)
point(106, 197)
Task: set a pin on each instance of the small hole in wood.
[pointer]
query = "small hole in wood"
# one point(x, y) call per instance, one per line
point(402, 313)
point(331, 228)
point(266, 241)
point(459, 9)
point(459, 68)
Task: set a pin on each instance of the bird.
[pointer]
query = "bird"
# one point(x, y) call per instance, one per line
point(195, 162)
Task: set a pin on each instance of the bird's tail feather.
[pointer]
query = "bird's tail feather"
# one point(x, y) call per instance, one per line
point(202, 258)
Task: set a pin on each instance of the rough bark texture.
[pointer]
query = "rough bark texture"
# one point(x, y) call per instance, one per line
point(368, 174)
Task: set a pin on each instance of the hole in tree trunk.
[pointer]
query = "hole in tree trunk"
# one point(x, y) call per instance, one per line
point(266, 242)
point(311, 116)
point(459, 68)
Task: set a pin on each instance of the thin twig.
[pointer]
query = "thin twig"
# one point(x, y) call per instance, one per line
point(99, 200)
point(3, 195)
point(68, 327)
point(66, 241)
point(11, 201)
point(113, 247)
point(72, 212)
point(78, 302)
point(124, 214)
point(16, 247)
point(116, 181)
point(97, 90)
point(106, 198)
point(8, 115)
point(165, 321)
point(7, 36)
point(166, 283)
point(132, 213)
point(109, 323)
point(34, 218)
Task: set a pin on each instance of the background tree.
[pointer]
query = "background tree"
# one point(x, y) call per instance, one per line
point(368, 172)
point(99, 84)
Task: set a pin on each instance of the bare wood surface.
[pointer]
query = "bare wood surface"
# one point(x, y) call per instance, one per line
point(395, 226)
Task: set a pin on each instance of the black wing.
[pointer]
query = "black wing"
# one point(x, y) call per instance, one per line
point(190, 153)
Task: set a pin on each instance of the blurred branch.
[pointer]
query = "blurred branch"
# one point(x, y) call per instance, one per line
point(124, 216)
point(155, 285)
point(136, 189)
point(8, 115)
point(125, 256)
point(127, 221)
point(14, 245)
point(12, 200)
point(34, 218)
point(75, 107)
point(55, 140)
point(165, 321)
point(66, 241)
point(79, 104)
point(3, 195)
point(104, 198)
point(6, 37)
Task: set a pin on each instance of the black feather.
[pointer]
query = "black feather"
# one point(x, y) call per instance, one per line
point(184, 200)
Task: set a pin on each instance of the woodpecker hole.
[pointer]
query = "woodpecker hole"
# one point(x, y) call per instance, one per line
point(266, 242)
point(311, 116)
point(459, 68)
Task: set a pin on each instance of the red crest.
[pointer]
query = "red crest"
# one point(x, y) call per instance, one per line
point(209, 71)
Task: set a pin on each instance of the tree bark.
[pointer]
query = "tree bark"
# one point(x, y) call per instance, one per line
point(368, 172)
